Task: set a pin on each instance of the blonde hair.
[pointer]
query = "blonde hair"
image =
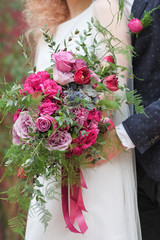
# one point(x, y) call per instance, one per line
point(38, 13)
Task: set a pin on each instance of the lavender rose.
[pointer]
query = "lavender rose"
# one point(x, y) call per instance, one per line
point(63, 61)
point(22, 125)
point(44, 123)
point(59, 141)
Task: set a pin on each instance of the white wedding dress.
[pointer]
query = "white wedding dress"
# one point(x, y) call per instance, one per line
point(111, 195)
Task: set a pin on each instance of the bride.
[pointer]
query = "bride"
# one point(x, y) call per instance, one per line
point(111, 195)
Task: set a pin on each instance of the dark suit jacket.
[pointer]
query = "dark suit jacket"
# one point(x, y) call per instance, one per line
point(145, 132)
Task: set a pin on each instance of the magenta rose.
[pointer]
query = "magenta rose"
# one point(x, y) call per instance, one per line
point(44, 123)
point(62, 78)
point(94, 115)
point(22, 125)
point(135, 25)
point(59, 141)
point(48, 108)
point(111, 82)
point(63, 61)
point(82, 76)
point(51, 88)
point(90, 139)
point(28, 89)
point(43, 75)
point(79, 63)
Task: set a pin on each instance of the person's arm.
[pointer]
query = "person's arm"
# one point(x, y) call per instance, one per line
point(144, 131)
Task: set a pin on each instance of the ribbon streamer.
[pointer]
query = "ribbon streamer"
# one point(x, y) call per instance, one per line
point(76, 206)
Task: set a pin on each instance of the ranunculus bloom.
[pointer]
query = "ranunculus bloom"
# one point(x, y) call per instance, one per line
point(51, 87)
point(81, 115)
point(63, 61)
point(106, 60)
point(94, 114)
point(48, 108)
point(44, 123)
point(62, 78)
point(111, 82)
point(21, 174)
point(111, 124)
point(22, 125)
point(59, 141)
point(79, 63)
point(135, 25)
point(82, 76)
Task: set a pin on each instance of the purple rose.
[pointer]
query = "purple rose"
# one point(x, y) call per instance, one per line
point(22, 125)
point(44, 123)
point(59, 141)
point(63, 61)
point(62, 78)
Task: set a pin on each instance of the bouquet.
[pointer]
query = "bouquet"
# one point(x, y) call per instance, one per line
point(60, 123)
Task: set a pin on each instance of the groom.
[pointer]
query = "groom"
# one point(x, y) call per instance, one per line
point(143, 132)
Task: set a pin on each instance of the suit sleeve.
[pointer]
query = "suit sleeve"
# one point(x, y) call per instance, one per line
point(143, 130)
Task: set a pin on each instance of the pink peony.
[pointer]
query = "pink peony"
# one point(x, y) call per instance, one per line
point(62, 78)
point(94, 114)
point(22, 125)
point(48, 108)
point(111, 82)
point(51, 88)
point(44, 123)
point(59, 141)
point(135, 25)
point(63, 61)
point(43, 75)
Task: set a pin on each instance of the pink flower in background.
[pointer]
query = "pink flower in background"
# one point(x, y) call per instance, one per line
point(106, 60)
point(111, 124)
point(62, 78)
point(21, 174)
point(82, 76)
point(59, 141)
point(16, 115)
point(94, 114)
point(79, 63)
point(111, 82)
point(22, 125)
point(44, 123)
point(135, 25)
point(48, 108)
point(63, 61)
point(51, 88)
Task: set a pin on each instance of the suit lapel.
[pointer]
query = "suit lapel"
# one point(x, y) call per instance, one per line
point(138, 7)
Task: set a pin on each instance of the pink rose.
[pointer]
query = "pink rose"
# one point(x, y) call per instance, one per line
point(22, 125)
point(62, 78)
point(44, 123)
point(111, 82)
point(106, 60)
point(94, 114)
point(21, 174)
point(43, 75)
point(59, 141)
point(82, 76)
point(63, 61)
point(16, 138)
point(135, 25)
point(110, 123)
point(79, 63)
point(51, 88)
point(48, 108)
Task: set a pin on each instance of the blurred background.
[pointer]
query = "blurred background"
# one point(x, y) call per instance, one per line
point(12, 68)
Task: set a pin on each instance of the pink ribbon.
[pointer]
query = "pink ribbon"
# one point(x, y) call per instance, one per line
point(76, 206)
